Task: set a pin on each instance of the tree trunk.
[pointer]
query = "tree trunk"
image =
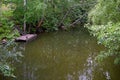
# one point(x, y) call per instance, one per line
point(40, 23)
point(0, 9)
point(25, 2)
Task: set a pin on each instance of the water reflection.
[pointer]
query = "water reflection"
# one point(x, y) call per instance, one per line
point(29, 72)
point(90, 64)
point(64, 56)
point(107, 75)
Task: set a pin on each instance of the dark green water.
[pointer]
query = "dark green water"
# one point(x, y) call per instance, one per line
point(64, 56)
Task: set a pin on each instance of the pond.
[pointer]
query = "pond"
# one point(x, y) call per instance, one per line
point(64, 55)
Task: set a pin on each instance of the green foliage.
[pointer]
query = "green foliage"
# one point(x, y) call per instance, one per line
point(105, 18)
point(109, 36)
point(6, 70)
point(51, 11)
point(34, 13)
point(6, 28)
point(105, 11)
point(9, 53)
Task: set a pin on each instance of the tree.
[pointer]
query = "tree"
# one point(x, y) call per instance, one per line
point(50, 13)
point(25, 3)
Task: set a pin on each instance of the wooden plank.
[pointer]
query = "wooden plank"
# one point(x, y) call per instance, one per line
point(26, 38)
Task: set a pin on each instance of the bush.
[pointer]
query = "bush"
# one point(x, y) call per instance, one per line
point(109, 36)
point(9, 53)
point(6, 27)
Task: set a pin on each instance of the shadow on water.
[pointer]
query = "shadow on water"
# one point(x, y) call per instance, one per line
point(64, 56)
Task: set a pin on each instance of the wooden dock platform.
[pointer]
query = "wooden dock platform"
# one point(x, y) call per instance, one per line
point(26, 38)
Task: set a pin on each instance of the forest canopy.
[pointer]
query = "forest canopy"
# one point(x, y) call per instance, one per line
point(50, 14)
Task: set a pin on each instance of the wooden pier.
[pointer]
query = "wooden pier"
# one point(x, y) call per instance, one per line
point(26, 38)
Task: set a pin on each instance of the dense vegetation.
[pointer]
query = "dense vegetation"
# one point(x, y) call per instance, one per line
point(6, 23)
point(10, 54)
point(49, 14)
point(105, 20)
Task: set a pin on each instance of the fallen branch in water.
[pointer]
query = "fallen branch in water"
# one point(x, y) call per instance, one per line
point(61, 22)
